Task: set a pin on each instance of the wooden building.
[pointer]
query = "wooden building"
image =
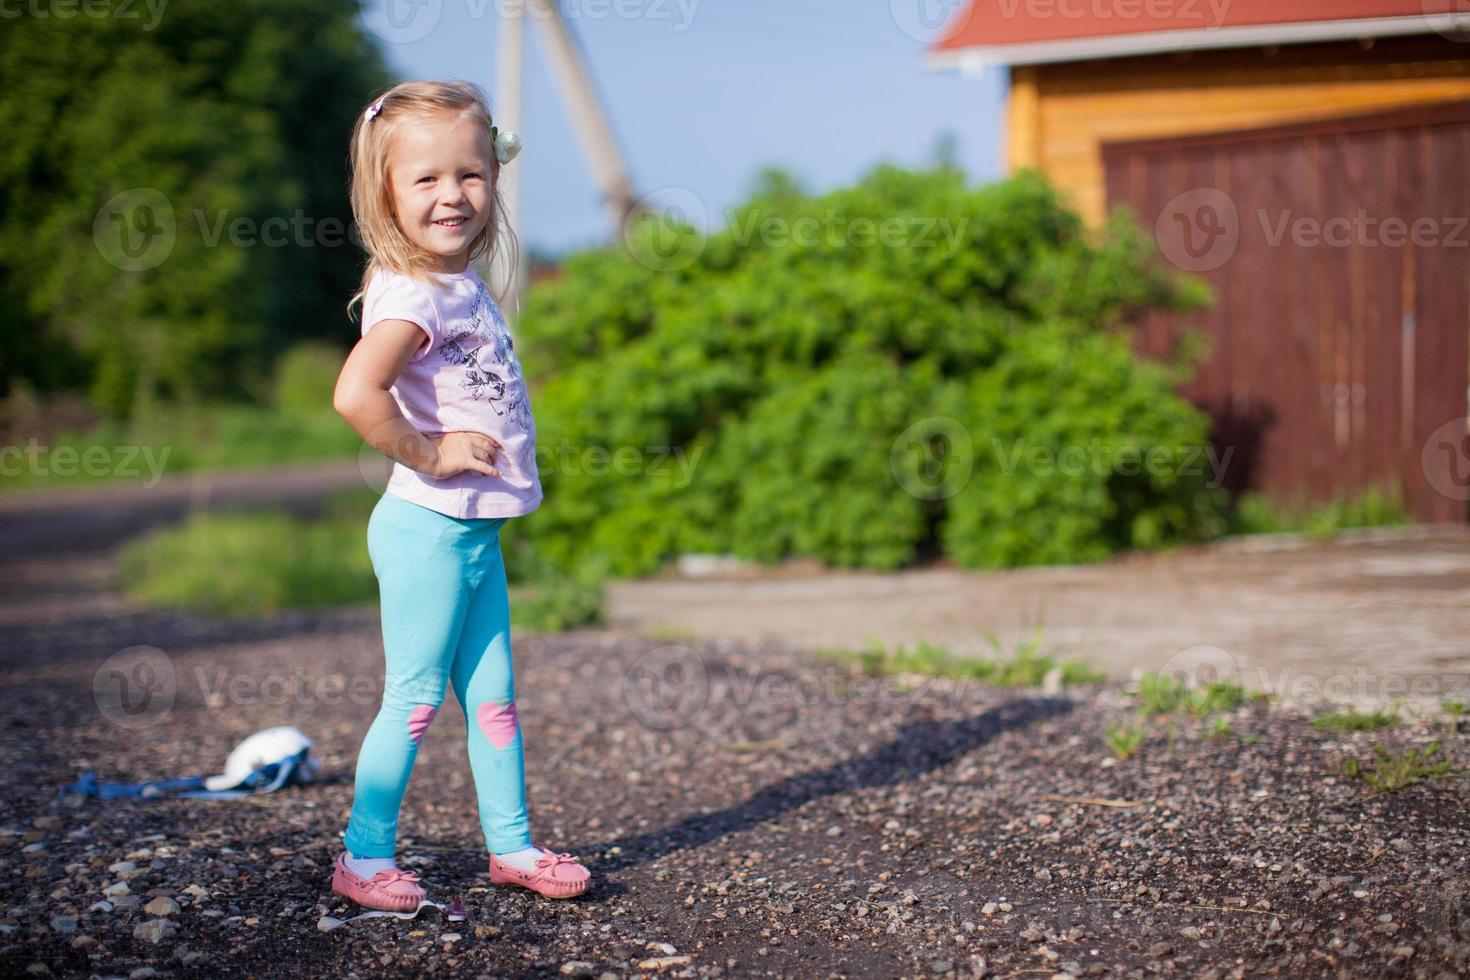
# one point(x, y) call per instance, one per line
point(1311, 160)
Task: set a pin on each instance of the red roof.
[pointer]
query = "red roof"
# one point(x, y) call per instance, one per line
point(1024, 31)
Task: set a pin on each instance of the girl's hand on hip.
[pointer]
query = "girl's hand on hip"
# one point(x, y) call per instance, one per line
point(464, 452)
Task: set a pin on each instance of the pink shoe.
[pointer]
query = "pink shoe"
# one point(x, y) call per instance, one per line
point(556, 875)
point(390, 891)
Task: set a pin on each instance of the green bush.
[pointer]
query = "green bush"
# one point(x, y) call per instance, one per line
point(557, 604)
point(863, 402)
point(1082, 450)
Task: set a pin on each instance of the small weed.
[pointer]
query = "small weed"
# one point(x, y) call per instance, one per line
point(1160, 694)
point(1221, 731)
point(1028, 666)
point(1388, 772)
point(1126, 738)
point(1356, 721)
point(1455, 711)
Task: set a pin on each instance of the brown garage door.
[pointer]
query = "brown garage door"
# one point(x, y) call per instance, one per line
point(1340, 253)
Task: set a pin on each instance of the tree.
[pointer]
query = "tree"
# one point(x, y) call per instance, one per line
point(173, 193)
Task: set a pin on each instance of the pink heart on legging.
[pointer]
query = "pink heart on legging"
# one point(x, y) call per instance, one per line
point(499, 723)
point(419, 720)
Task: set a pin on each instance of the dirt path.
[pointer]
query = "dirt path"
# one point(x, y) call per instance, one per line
point(1366, 619)
point(95, 518)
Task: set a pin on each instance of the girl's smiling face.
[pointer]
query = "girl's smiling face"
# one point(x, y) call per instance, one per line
point(440, 171)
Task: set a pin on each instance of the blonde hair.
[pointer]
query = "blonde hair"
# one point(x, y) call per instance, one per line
point(388, 248)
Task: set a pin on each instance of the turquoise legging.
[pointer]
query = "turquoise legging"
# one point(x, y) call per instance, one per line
point(446, 619)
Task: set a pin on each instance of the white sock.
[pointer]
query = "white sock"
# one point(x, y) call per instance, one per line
point(522, 860)
point(367, 867)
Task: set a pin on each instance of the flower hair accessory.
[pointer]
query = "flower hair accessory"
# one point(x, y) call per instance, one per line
point(373, 110)
point(507, 144)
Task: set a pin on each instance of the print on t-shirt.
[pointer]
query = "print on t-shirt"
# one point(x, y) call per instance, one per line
point(481, 342)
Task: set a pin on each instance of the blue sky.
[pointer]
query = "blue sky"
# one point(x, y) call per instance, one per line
point(704, 93)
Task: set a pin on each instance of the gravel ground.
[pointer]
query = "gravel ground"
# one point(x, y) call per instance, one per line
point(745, 810)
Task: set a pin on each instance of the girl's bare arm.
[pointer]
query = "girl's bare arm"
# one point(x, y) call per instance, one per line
point(363, 397)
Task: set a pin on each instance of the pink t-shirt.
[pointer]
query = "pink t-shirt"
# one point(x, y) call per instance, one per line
point(466, 379)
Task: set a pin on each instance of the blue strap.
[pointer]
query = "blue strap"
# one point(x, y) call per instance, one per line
point(267, 779)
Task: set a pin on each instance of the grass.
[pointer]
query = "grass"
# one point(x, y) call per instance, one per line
point(1356, 721)
point(250, 563)
point(1256, 514)
point(1028, 666)
point(1454, 711)
point(1163, 694)
point(1126, 738)
point(1388, 772)
point(295, 423)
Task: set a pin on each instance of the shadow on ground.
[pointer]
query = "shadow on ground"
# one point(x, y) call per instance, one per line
point(917, 750)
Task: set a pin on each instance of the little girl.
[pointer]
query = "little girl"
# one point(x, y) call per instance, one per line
point(435, 385)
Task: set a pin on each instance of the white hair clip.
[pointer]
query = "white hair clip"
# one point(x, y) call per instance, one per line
point(373, 110)
point(507, 144)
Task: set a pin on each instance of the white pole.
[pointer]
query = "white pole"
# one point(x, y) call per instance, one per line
point(506, 104)
point(588, 119)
